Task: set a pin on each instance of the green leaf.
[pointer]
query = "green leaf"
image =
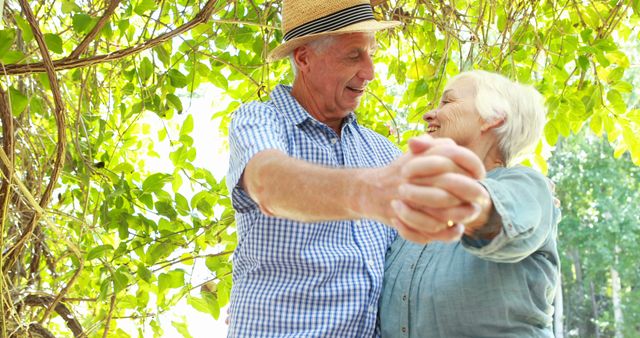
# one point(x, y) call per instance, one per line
point(145, 6)
point(171, 280)
point(182, 328)
point(54, 42)
point(82, 23)
point(583, 61)
point(596, 124)
point(421, 88)
point(12, 56)
point(162, 54)
point(187, 125)
point(177, 79)
point(7, 37)
point(218, 80)
point(165, 209)
point(207, 304)
point(586, 35)
point(145, 69)
point(99, 251)
point(69, 6)
point(27, 33)
point(175, 101)
point(155, 182)
point(615, 75)
point(18, 101)
point(623, 87)
point(124, 167)
point(157, 251)
point(204, 202)
point(182, 204)
point(563, 127)
point(616, 100)
point(144, 273)
point(551, 133)
point(120, 279)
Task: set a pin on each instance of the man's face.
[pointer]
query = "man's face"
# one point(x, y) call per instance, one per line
point(338, 74)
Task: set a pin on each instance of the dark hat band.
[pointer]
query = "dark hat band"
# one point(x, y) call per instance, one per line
point(333, 22)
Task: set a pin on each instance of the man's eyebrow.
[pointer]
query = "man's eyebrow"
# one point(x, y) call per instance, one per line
point(447, 93)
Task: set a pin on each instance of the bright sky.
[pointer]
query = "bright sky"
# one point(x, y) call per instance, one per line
point(211, 153)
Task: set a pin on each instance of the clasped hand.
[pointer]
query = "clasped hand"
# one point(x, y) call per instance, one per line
point(437, 190)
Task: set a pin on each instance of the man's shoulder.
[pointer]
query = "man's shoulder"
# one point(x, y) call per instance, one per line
point(254, 112)
point(256, 106)
point(267, 108)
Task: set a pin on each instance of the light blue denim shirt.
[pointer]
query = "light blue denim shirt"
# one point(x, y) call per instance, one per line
point(505, 287)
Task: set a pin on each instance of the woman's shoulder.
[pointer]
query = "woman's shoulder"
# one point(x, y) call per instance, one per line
point(522, 174)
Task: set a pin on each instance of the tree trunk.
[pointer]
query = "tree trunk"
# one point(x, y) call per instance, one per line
point(617, 306)
point(594, 306)
point(583, 322)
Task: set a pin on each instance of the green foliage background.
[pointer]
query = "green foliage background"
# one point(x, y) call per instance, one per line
point(92, 234)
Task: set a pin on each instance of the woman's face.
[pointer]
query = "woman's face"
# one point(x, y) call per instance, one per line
point(456, 116)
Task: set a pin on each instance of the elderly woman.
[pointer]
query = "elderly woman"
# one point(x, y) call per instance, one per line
point(501, 278)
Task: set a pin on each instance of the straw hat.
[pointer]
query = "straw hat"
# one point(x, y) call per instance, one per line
point(306, 20)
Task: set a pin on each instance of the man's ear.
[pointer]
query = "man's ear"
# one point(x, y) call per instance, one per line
point(301, 57)
point(492, 123)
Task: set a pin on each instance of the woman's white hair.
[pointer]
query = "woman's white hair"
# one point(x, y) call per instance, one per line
point(521, 106)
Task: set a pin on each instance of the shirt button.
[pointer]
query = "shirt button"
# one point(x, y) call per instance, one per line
point(357, 223)
point(412, 266)
point(334, 140)
point(404, 298)
point(404, 329)
point(371, 263)
point(372, 308)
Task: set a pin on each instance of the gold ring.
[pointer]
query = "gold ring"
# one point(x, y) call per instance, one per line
point(450, 223)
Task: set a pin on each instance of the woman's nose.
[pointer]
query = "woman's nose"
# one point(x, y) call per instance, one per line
point(430, 115)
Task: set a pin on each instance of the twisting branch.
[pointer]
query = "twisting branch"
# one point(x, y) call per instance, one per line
point(5, 190)
point(60, 309)
point(113, 4)
point(8, 146)
point(64, 291)
point(15, 250)
point(68, 63)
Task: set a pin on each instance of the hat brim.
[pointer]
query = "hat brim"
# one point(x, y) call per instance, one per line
point(286, 48)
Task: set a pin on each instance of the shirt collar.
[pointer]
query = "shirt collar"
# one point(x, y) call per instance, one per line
point(289, 106)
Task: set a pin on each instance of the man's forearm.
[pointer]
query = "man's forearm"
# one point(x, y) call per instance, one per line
point(291, 188)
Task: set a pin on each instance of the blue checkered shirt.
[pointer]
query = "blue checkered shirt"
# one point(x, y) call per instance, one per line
point(293, 279)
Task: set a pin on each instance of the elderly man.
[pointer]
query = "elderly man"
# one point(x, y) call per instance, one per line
point(311, 188)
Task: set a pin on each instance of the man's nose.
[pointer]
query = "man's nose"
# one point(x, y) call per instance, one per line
point(367, 72)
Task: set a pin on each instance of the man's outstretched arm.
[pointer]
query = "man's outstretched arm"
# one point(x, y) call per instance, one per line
point(286, 187)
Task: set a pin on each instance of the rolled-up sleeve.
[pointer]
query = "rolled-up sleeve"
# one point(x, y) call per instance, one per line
point(255, 127)
point(524, 207)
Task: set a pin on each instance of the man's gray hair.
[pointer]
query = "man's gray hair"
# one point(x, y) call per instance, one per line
point(521, 106)
point(318, 45)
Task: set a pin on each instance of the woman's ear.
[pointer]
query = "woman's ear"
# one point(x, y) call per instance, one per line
point(493, 123)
